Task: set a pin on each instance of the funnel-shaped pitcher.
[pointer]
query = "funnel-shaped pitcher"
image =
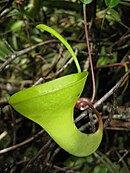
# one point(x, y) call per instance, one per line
point(51, 105)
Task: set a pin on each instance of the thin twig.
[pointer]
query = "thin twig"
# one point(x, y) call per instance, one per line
point(106, 96)
point(57, 60)
point(66, 65)
point(120, 64)
point(37, 155)
point(107, 162)
point(117, 128)
point(3, 134)
point(39, 81)
point(6, 150)
point(8, 45)
point(8, 4)
point(61, 169)
point(109, 93)
point(42, 79)
point(89, 53)
point(22, 52)
point(121, 159)
point(63, 68)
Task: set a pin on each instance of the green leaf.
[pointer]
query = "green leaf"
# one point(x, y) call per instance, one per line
point(114, 14)
point(86, 1)
point(4, 50)
point(16, 26)
point(103, 60)
point(101, 168)
point(112, 3)
point(51, 105)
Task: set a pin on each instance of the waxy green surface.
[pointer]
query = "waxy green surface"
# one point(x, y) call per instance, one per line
point(51, 105)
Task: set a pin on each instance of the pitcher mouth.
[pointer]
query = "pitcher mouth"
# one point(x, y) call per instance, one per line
point(48, 87)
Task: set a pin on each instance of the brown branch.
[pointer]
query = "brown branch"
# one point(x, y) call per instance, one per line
point(117, 128)
point(61, 169)
point(22, 52)
point(111, 91)
point(6, 150)
point(121, 64)
point(37, 155)
point(45, 78)
point(66, 65)
point(100, 101)
point(63, 68)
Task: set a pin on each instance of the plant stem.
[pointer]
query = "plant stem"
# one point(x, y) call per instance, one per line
point(89, 53)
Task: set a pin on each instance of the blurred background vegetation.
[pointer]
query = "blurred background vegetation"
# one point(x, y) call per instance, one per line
point(28, 55)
